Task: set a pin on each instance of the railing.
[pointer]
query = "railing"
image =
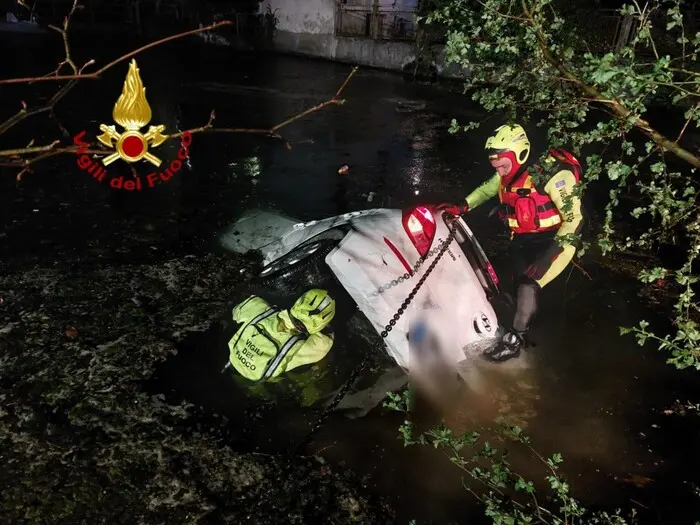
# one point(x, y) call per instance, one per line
point(378, 24)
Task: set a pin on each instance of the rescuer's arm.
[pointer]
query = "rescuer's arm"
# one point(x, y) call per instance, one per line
point(486, 191)
point(314, 348)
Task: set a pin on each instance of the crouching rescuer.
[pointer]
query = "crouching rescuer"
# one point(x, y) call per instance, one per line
point(271, 341)
point(544, 218)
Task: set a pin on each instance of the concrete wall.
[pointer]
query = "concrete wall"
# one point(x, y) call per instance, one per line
point(358, 51)
point(385, 5)
point(312, 17)
point(307, 27)
point(374, 53)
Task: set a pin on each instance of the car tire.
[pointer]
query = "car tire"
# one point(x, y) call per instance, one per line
point(298, 268)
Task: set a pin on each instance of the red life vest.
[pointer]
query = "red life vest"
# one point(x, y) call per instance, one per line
point(528, 210)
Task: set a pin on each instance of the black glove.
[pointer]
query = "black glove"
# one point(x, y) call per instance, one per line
point(499, 211)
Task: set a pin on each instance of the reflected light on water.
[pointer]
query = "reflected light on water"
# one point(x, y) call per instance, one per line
point(416, 169)
point(249, 168)
point(415, 174)
point(515, 393)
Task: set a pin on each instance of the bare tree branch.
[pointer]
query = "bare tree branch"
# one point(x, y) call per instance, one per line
point(272, 132)
point(64, 35)
point(96, 74)
point(23, 158)
point(690, 117)
point(78, 75)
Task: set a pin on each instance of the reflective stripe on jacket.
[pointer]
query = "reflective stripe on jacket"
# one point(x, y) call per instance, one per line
point(267, 344)
point(528, 210)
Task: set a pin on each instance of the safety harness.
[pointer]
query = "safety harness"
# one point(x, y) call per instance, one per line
point(529, 209)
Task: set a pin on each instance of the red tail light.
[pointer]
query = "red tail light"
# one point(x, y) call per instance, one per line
point(419, 224)
point(492, 273)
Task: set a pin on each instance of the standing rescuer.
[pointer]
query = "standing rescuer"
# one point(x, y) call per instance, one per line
point(272, 341)
point(539, 217)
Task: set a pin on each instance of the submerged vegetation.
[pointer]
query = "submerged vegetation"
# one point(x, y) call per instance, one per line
point(506, 496)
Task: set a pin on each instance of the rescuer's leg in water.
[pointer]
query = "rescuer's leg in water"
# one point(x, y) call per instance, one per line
point(533, 274)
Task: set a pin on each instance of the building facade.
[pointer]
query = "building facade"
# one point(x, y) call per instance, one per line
point(375, 33)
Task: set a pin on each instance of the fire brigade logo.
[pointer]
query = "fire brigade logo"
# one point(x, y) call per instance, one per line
point(132, 113)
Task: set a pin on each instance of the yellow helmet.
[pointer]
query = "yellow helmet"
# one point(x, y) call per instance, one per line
point(314, 310)
point(510, 137)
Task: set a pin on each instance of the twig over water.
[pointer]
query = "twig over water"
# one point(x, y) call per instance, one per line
point(95, 75)
point(580, 268)
point(274, 130)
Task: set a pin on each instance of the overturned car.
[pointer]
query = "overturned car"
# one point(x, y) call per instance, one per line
point(403, 269)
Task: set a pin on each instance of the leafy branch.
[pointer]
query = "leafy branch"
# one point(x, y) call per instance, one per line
point(506, 496)
point(618, 107)
point(534, 65)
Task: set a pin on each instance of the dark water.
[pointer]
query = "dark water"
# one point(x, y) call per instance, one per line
point(583, 391)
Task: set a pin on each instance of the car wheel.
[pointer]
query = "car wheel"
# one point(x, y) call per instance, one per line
point(306, 261)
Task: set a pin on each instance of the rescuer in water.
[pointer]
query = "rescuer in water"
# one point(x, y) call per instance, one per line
point(271, 341)
point(540, 217)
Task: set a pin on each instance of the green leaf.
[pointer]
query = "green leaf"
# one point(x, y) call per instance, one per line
point(618, 169)
point(523, 485)
point(658, 167)
point(637, 212)
point(652, 275)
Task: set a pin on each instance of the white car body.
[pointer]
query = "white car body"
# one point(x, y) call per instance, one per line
point(453, 299)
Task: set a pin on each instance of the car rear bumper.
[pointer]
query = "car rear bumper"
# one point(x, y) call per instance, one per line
point(374, 305)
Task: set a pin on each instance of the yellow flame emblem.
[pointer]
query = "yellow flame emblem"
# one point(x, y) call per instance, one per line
point(132, 112)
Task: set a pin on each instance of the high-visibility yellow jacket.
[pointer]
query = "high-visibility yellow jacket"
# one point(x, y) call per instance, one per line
point(268, 344)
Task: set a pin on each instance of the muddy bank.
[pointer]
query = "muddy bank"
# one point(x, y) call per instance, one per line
point(82, 442)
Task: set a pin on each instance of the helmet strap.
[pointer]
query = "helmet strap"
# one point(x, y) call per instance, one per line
point(507, 181)
point(516, 169)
